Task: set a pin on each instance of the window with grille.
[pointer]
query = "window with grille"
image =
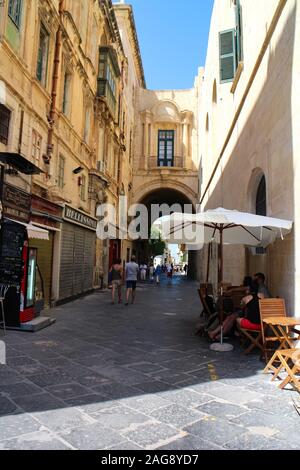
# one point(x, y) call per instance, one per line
point(66, 104)
point(4, 124)
point(83, 188)
point(166, 148)
point(14, 11)
point(36, 148)
point(42, 61)
point(61, 172)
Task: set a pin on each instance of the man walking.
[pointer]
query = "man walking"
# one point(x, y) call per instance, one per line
point(143, 271)
point(131, 271)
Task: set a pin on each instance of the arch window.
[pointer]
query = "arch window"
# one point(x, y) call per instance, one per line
point(261, 206)
point(207, 123)
point(261, 198)
point(214, 93)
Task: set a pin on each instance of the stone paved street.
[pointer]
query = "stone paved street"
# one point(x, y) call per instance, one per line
point(114, 377)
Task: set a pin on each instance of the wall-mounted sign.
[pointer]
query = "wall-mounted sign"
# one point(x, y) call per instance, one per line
point(77, 217)
point(16, 203)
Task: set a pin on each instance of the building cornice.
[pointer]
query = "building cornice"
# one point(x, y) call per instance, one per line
point(108, 12)
point(134, 38)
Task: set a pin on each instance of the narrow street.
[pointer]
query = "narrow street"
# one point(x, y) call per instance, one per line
point(114, 377)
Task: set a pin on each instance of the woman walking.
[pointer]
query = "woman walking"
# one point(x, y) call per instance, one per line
point(116, 272)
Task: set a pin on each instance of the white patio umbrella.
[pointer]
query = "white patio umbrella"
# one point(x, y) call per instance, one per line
point(226, 227)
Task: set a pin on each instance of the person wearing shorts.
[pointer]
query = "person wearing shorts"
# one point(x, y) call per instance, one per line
point(116, 272)
point(251, 320)
point(131, 271)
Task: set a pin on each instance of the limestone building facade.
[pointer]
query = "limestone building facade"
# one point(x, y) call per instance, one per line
point(248, 121)
point(62, 81)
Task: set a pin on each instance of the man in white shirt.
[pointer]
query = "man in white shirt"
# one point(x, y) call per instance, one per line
point(143, 270)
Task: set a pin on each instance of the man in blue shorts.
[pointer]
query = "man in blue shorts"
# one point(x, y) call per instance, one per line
point(131, 270)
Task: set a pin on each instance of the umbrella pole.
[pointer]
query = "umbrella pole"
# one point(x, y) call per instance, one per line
point(208, 266)
point(221, 347)
point(221, 284)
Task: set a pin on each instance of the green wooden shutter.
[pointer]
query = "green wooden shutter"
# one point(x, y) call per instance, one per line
point(227, 55)
point(239, 31)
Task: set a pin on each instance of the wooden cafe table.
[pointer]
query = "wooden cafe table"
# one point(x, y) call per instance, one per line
point(282, 327)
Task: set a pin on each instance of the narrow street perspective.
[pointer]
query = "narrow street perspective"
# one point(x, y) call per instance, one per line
point(111, 377)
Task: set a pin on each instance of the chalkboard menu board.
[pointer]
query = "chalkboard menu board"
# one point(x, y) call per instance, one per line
point(13, 236)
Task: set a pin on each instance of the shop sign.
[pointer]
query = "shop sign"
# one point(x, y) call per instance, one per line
point(73, 215)
point(16, 203)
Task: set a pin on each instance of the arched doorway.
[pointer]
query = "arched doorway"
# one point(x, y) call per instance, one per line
point(257, 260)
point(165, 199)
point(261, 197)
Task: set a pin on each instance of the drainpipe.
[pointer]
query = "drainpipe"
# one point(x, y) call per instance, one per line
point(57, 52)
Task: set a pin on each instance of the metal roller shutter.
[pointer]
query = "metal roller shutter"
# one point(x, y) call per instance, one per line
point(77, 260)
point(66, 261)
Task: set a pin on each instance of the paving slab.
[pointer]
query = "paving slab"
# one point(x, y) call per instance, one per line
point(109, 377)
point(92, 437)
point(216, 430)
point(41, 440)
point(152, 435)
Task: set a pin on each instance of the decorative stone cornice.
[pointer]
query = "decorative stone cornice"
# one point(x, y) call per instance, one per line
point(127, 9)
point(49, 16)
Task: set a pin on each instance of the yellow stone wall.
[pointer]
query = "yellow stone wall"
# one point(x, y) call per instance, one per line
point(263, 139)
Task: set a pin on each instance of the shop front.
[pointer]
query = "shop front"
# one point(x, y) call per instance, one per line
point(77, 253)
point(17, 261)
point(46, 215)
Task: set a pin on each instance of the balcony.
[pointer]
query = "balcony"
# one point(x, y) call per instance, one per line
point(104, 91)
point(178, 162)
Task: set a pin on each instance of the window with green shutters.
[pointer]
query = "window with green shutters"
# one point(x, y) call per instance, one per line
point(109, 73)
point(61, 172)
point(42, 60)
point(239, 31)
point(228, 62)
point(14, 11)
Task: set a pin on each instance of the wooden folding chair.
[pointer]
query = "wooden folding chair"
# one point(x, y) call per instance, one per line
point(206, 312)
point(253, 336)
point(270, 308)
point(289, 361)
point(207, 287)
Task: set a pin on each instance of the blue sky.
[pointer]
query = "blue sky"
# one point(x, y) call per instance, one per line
point(173, 37)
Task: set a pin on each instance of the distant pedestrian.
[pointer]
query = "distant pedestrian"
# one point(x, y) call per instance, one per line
point(143, 271)
point(169, 271)
point(116, 273)
point(131, 270)
point(158, 272)
point(151, 273)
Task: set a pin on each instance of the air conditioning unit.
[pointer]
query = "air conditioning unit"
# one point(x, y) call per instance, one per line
point(101, 166)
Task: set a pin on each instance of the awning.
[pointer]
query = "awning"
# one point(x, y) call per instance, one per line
point(37, 232)
point(20, 163)
point(33, 231)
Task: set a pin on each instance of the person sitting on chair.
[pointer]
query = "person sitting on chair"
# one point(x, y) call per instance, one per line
point(251, 315)
point(251, 320)
point(260, 279)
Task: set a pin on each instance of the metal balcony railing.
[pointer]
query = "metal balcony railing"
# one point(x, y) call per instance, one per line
point(153, 162)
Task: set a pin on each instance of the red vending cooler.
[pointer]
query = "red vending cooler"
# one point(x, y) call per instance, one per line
point(17, 273)
point(27, 297)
